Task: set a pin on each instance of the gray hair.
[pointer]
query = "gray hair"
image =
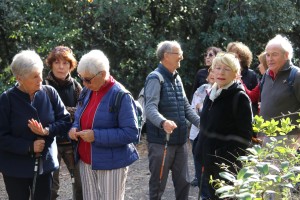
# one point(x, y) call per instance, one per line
point(165, 46)
point(284, 43)
point(25, 62)
point(93, 62)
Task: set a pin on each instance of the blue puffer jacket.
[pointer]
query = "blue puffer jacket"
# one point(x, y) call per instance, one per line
point(16, 138)
point(114, 132)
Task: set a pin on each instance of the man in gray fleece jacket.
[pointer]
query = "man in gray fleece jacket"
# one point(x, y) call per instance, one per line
point(277, 96)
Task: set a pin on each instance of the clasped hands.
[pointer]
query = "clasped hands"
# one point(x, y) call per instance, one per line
point(86, 135)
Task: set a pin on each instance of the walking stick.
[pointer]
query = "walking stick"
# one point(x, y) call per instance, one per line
point(35, 173)
point(164, 158)
point(72, 174)
point(200, 184)
point(73, 183)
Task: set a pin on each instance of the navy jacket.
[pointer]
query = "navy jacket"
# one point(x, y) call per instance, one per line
point(16, 138)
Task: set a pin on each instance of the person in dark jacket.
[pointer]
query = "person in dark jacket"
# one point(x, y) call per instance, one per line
point(202, 73)
point(31, 115)
point(248, 76)
point(226, 120)
point(167, 109)
point(62, 62)
point(105, 136)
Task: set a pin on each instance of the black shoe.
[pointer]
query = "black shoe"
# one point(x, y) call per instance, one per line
point(194, 182)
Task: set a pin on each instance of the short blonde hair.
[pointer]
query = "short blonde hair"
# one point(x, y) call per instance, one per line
point(227, 59)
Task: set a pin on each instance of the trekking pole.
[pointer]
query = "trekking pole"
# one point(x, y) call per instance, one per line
point(200, 182)
point(72, 174)
point(164, 158)
point(73, 183)
point(35, 173)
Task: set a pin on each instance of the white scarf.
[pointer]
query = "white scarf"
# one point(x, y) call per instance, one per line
point(215, 92)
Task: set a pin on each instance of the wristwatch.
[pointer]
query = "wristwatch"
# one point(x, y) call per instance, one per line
point(46, 131)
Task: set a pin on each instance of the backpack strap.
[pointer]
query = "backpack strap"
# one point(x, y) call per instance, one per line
point(261, 84)
point(292, 76)
point(235, 103)
point(160, 77)
point(49, 94)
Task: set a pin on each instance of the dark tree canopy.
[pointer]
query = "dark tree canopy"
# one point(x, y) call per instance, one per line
point(128, 31)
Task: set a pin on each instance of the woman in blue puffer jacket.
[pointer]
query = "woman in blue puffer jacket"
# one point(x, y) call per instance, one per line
point(105, 135)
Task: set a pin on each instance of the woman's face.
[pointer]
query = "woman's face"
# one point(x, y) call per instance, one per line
point(208, 58)
point(211, 77)
point(61, 68)
point(31, 83)
point(261, 68)
point(93, 81)
point(223, 75)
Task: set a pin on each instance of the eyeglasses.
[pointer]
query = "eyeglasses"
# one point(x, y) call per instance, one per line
point(209, 55)
point(88, 80)
point(177, 53)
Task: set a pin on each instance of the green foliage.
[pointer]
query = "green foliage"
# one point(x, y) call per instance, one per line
point(129, 31)
point(7, 80)
point(269, 169)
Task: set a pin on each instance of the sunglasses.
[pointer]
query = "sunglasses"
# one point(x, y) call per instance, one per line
point(209, 55)
point(88, 80)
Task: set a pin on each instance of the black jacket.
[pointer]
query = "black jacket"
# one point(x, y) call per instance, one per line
point(224, 129)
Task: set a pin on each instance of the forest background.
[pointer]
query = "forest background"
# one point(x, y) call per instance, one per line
point(128, 31)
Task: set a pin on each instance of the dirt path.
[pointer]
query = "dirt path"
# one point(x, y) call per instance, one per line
point(136, 185)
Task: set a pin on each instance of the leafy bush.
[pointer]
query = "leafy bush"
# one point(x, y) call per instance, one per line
point(268, 169)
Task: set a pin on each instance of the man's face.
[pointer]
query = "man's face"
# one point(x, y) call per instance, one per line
point(174, 57)
point(276, 57)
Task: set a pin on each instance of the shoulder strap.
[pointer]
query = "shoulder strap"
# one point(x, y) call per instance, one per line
point(47, 82)
point(160, 77)
point(49, 93)
point(292, 76)
point(235, 103)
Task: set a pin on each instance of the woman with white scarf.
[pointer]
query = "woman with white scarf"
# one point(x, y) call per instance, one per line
point(226, 117)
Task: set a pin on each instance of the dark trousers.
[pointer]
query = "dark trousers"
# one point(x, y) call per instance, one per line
point(198, 173)
point(20, 188)
point(66, 153)
point(176, 161)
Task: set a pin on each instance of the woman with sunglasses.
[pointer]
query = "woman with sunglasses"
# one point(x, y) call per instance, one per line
point(105, 136)
point(225, 121)
point(62, 62)
point(202, 73)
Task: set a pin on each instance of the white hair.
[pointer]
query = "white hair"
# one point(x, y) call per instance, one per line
point(26, 62)
point(165, 46)
point(284, 43)
point(93, 62)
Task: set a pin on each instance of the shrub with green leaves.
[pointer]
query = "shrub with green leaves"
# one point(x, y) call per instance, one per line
point(269, 169)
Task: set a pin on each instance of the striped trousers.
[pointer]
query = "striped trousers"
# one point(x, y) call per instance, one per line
point(102, 184)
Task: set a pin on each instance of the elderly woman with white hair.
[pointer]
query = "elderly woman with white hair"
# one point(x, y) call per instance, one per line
point(31, 115)
point(105, 136)
point(225, 121)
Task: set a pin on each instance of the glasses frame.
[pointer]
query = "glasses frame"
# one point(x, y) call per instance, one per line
point(209, 55)
point(177, 53)
point(88, 80)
